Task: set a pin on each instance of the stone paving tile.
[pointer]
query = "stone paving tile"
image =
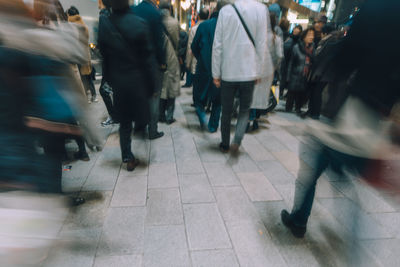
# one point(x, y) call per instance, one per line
point(255, 150)
point(298, 256)
point(390, 221)
point(205, 227)
point(209, 151)
point(385, 251)
point(123, 232)
point(290, 160)
point(221, 174)
point(166, 246)
point(287, 139)
point(242, 164)
point(130, 191)
point(214, 258)
point(346, 211)
point(258, 187)
point(234, 204)
point(195, 189)
point(164, 207)
point(253, 245)
point(370, 200)
point(120, 261)
point(104, 174)
point(190, 165)
point(270, 142)
point(276, 173)
point(163, 175)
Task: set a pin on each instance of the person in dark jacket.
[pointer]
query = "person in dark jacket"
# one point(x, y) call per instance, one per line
point(183, 41)
point(130, 61)
point(287, 53)
point(322, 71)
point(299, 69)
point(105, 89)
point(202, 49)
point(148, 11)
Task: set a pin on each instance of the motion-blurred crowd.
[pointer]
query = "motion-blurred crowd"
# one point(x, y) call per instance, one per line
point(232, 56)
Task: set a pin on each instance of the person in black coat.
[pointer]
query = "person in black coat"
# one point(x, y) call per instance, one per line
point(287, 52)
point(128, 55)
point(299, 69)
point(183, 41)
point(202, 49)
point(148, 11)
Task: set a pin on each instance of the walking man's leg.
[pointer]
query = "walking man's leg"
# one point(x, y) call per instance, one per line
point(228, 91)
point(246, 96)
point(154, 103)
point(125, 132)
point(215, 112)
point(170, 108)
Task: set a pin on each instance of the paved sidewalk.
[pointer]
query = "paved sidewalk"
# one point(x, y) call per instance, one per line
point(190, 205)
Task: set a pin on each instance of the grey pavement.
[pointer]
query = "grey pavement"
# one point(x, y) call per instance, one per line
point(190, 205)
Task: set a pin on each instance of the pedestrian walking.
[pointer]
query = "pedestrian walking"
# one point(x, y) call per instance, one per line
point(149, 11)
point(357, 131)
point(105, 89)
point(299, 69)
point(86, 69)
point(238, 50)
point(131, 73)
point(205, 89)
point(171, 82)
point(183, 41)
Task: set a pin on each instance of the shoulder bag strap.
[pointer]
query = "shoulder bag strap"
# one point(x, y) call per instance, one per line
point(244, 25)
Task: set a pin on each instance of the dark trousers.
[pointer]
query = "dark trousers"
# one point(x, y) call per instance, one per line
point(154, 103)
point(125, 132)
point(106, 92)
point(306, 181)
point(228, 93)
point(54, 148)
point(295, 98)
point(88, 84)
point(167, 108)
point(315, 101)
point(189, 79)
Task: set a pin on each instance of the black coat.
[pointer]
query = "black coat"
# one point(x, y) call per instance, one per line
point(297, 81)
point(127, 51)
point(152, 15)
point(202, 49)
point(183, 41)
point(287, 52)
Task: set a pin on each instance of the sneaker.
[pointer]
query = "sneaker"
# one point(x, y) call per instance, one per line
point(94, 99)
point(156, 136)
point(89, 101)
point(107, 122)
point(297, 231)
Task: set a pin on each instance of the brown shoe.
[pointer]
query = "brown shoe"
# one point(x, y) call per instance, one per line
point(223, 149)
point(132, 164)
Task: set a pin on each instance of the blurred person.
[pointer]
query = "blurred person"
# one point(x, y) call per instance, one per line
point(319, 23)
point(287, 54)
point(84, 70)
point(171, 82)
point(299, 68)
point(149, 11)
point(359, 130)
point(105, 89)
point(275, 11)
point(322, 72)
point(238, 52)
point(191, 61)
point(205, 89)
point(284, 24)
point(183, 41)
point(272, 61)
point(130, 62)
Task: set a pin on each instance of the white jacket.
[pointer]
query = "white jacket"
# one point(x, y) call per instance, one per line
point(234, 58)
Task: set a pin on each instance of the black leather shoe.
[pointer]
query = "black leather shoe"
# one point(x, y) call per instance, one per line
point(156, 136)
point(297, 231)
point(223, 149)
point(171, 121)
point(132, 164)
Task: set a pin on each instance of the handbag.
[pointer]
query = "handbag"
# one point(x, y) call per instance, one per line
point(244, 25)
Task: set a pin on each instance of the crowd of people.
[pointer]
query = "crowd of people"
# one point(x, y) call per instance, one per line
point(232, 56)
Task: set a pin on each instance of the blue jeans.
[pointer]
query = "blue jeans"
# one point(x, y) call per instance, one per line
point(306, 181)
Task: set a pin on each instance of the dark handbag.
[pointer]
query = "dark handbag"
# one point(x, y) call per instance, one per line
point(244, 25)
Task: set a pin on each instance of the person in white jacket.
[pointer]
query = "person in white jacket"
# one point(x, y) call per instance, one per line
point(237, 62)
